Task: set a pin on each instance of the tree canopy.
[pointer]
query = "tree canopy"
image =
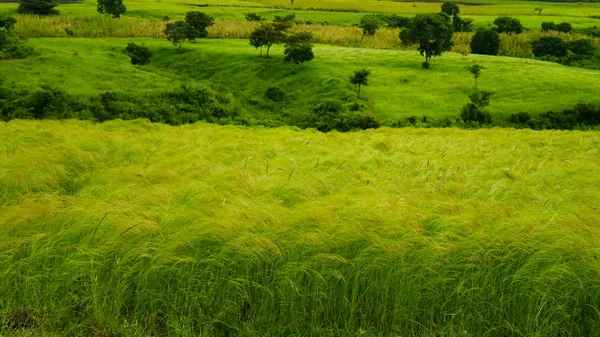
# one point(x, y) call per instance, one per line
point(111, 7)
point(432, 33)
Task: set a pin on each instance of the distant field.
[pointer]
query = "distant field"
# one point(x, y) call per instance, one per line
point(398, 87)
point(138, 229)
point(348, 12)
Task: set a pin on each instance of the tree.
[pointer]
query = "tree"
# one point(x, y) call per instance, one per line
point(432, 33)
point(450, 8)
point(265, 36)
point(111, 7)
point(11, 45)
point(69, 33)
point(139, 54)
point(178, 32)
point(509, 25)
point(564, 27)
point(298, 48)
point(538, 10)
point(7, 23)
point(475, 70)
point(360, 78)
point(254, 17)
point(582, 47)
point(39, 7)
point(199, 22)
point(283, 23)
point(550, 46)
point(485, 42)
point(369, 24)
point(548, 26)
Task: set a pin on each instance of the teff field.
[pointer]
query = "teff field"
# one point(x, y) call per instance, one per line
point(133, 228)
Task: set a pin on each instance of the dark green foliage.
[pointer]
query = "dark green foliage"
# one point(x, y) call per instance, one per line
point(298, 48)
point(11, 45)
point(69, 33)
point(432, 33)
point(283, 23)
point(394, 20)
point(582, 47)
point(39, 7)
point(369, 24)
point(139, 54)
point(360, 78)
point(564, 27)
point(581, 116)
point(548, 26)
point(473, 115)
point(506, 24)
point(254, 17)
point(461, 25)
point(450, 8)
point(177, 32)
point(485, 42)
point(275, 94)
point(549, 46)
point(266, 35)
point(538, 10)
point(166, 19)
point(111, 7)
point(332, 115)
point(199, 22)
point(520, 118)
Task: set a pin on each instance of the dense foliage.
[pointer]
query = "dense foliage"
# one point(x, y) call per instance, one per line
point(485, 42)
point(432, 33)
point(11, 45)
point(39, 7)
point(111, 7)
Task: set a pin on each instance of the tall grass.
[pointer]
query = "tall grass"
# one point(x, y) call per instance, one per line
point(349, 36)
point(138, 229)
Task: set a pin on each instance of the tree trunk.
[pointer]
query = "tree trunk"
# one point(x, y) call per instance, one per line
point(359, 91)
point(268, 47)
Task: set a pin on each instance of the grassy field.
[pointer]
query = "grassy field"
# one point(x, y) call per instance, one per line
point(398, 87)
point(346, 12)
point(138, 229)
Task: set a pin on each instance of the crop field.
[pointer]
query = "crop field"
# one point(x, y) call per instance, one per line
point(133, 228)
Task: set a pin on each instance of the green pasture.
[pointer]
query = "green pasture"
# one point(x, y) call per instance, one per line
point(398, 87)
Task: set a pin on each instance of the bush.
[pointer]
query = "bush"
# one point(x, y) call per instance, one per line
point(548, 26)
point(485, 42)
point(298, 48)
point(11, 46)
point(550, 46)
point(520, 118)
point(330, 115)
point(254, 17)
point(369, 24)
point(471, 114)
point(39, 7)
point(275, 94)
point(139, 54)
point(199, 22)
point(582, 47)
point(564, 27)
point(509, 25)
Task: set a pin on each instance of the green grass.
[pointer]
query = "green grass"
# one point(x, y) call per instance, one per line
point(138, 229)
point(398, 87)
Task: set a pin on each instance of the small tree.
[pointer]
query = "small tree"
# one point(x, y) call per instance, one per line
point(550, 46)
point(298, 48)
point(7, 23)
point(360, 78)
point(582, 47)
point(266, 36)
point(254, 17)
point(139, 54)
point(509, 25)
point(369, 24)
point(538, 10)
point(111, 7)
point(69, 33)
point(564, 27)
point(432, 33)
point(178, 32)
point(450, 8)
point(199, 22)
point(475, 70)
point(548, 26)
point(39, 7)
point(485, 42)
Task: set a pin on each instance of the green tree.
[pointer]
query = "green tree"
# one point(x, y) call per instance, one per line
point(432, 33)
point(7, 23)
point(199, 22)
point(506, 24)
point(69, 33)
point(475, 70)
point(111, 7)
point(485, 42)
point(254, 17)
point(550, 46)
point(39, 7)
point(564, 27)
point(266, 36)
point(548, 26)
point(538, 10)
point(369, 24)
point(138, 54)
point(178, 32)
point(298, 48)
point(450, 8)
point(360, 78)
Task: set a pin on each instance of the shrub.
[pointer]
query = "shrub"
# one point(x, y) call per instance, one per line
point(199, 22)
point(549, 46)
point(139, 54)
point(298, 48)
point(520, 118)
point(564, 27)
point(39, 7)
point(582, 47)
point(485, 42)
point(395, 20)
point(275, 94)
point(111, 7)
point(506, 24)
point(548, 26)
point(254, 17)
point(369, 24)
point(471, 114)
point(11, 46)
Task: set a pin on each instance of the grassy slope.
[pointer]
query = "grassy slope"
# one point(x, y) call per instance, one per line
point(578, 14)
point(217, 230)
point(398, 87)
